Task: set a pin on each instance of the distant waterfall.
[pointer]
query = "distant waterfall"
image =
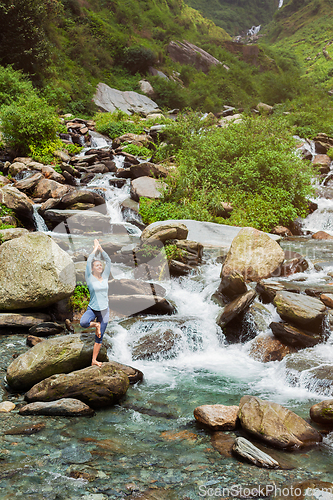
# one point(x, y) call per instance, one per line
point(280, 3)
point(254, 30)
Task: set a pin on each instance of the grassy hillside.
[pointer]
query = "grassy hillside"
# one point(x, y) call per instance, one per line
point(236, 16)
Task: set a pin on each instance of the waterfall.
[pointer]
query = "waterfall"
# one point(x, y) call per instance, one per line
point(254, 30)
point(40, 224)
point(280, 4)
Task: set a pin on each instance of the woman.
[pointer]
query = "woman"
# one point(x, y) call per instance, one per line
point(98, 308)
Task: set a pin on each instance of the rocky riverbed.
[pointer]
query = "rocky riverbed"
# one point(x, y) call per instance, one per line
point(234, 312)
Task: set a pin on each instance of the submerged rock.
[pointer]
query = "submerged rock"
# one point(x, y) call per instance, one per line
point(253, 254)
point(155, 344)
point(252, 454)
point(57, 355)
point(266, 348)
point(96, 386)
point(34, 272)
point(65, 407)
point(217, 417)
point(25, 430)
point(275, 425)
point(7, 407)
point(322, 413)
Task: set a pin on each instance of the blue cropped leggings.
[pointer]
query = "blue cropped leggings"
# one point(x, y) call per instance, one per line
point(101, 316)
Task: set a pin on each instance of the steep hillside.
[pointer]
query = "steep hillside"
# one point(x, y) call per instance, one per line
point(236, 16)
point(306, 28)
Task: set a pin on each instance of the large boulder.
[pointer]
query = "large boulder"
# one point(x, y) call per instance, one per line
point(275, 425)
point(18, 202)
point(304, 311)
point(109, 100)
point(173, 230)
point(66, 407)
point(57, 355)
point(134, 287)
point(47, 188)
point(266, 348)
point(11, 233)
point(217, 417)
point(95, 386)
point(146, 187)
point(253, 254)
point(80, 196)
point(155, 344)
point(188, 53)
point(28, 183)
point(147, 169)
point(322, 413)
point(34, 272)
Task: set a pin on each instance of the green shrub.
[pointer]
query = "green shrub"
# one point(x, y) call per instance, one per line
point(5, 211)
point(113, 124)
point(172, 252)
point(169, 94)
point(140, 151)
point(29, 121)
point(137, 59)
point(80, 297)
point(13, 84)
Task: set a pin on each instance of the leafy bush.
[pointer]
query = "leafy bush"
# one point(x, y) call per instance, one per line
point(137, 59)
point(29, 121)
point(172, 252)
point(140, 151)
point(251, 165)
point(5, 211)
point(13, 84)
point(113, 124)
point(80, 297)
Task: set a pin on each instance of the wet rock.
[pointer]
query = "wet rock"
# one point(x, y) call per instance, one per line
point(177, 268)
point(266, 348)
point(25, 430)
point(11, 233)
point(57, 355)
point(108, 99)
point(32, 340)
point(322, 235)
point(293, 336)
point(217, 417)
point(155, 345)
point(322, 412)
point(16, 168)
point(268, 290)
point(147, 169)
point(307, 490)
point(47, 188)
point(50, 173)
point(46, 329)
point(300, 309)
point(232, 285)
point(313, 373)
point(275, 425)
point(29, 183)
point(133, 304)
point(34, 272)
point(323, 163)
point(74, 197)
point(79, 220)
point(223, 443)
point(135, 287)
point(134, 375)
point(235, 307)
point(95, 386)
point(253, 254)
point(25, 320)
point(65, 407)
point(293, 263)
point(7, 407)
point(327, 299)
point(129, 204)
point(163, 232)
point(21, 205)
point(146, 187)
point(118, 183)
point(245, 449)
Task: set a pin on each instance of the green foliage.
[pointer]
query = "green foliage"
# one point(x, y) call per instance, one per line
point(6, 226)
point(140, 151)
point(137, 59)
point(169, 94)
point(114, 124)
point(172, 252)
point(330, 153)
point(13, 84)
point(80, 297)
point(44, 152)
point(5, 211)
point(28, 121)
point(251, 165)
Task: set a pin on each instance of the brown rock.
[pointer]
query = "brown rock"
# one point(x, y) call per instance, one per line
point(281, 231)
point(232, 285)
point(65, 407)
point(188, 53)
point(32, 340)
point(223, 443)
point(155, 344)
point(322, 413)
point(147, 169)
point(323, 163)
point(327, 298)
point(235, 307)
point(267, 349)
point(293, 336)
point(146, 187)
point(25, 430)
point(47, 188)
point(321, 235)
point(217, 417)
point(300, 309)
point(29, 182)
point(165, 231)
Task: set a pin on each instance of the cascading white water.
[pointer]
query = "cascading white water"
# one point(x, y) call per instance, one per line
point(40, 224)
point(322, 218)
point(280, 4)
point(254, 30)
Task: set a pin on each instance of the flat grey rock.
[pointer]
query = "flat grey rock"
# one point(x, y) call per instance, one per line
point(109, 100)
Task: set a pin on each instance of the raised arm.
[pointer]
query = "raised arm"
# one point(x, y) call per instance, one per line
point(107, 270)
point(88, 272)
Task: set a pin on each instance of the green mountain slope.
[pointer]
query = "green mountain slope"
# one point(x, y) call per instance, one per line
point(236, 16)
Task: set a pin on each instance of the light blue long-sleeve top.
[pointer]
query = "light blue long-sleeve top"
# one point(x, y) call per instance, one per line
point(98, 289)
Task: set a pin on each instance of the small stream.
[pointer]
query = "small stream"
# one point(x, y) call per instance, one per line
point(151, 439)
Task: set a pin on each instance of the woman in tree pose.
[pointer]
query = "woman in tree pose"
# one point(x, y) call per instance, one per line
point(98, 308)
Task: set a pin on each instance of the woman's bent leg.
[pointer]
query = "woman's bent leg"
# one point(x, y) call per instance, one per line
point(87, 318)
point(103, 318)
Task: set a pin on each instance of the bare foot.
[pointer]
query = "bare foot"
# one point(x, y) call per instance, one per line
point(97, 363)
